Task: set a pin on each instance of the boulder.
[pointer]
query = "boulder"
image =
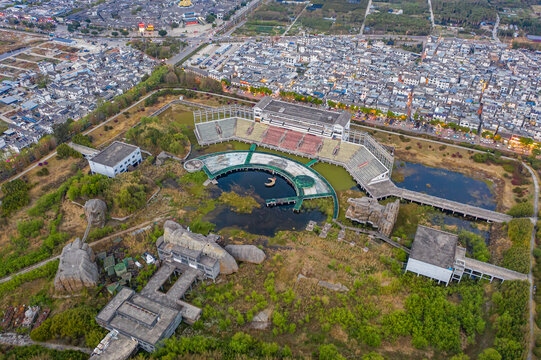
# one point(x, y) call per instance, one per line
point(246, 253)
point(77, 268)
point(95, 211)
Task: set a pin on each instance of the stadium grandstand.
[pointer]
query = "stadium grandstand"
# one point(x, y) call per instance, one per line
point(366, 160)
point(306, 119)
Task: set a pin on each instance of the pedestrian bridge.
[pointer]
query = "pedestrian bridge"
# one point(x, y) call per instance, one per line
point(387, 188)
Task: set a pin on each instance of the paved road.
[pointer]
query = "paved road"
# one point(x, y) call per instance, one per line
point(532, 244)
point(24, 340)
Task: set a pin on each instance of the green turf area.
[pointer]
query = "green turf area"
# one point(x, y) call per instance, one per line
point(337, 176)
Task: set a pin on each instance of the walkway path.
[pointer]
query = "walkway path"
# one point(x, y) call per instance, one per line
point(495, 29)
point(374, 234)
point(431, 13)
point(24, 340)
point(388, 188)
point(365, 15)
point(532, 244)
point(294, 21)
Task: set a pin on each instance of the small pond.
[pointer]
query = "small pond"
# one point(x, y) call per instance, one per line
point(445, 184)
point(264, 221)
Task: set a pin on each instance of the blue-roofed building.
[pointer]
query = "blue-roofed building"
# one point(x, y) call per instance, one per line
point(8, 100)
point(29, 105)
point(4, 89)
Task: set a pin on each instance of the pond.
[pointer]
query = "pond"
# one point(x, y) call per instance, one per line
point(459, 224)
point(264, 221)
point(445, 184)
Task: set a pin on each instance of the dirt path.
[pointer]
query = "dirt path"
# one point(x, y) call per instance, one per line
point(24, 340)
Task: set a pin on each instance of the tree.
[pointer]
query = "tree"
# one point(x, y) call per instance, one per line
point(210, 18)
point(490, 354)
point(114, 33)
point(162, 32)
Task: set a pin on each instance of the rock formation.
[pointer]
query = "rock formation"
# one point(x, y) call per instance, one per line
point(77, 268)
point(176, 234)
point(368, 210)
point(95, 211)
point(246, 253)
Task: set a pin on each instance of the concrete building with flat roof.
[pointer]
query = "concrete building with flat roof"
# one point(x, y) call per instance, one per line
point(436, 255)
point(115, 159)
point(140, 318)
point(312, 120)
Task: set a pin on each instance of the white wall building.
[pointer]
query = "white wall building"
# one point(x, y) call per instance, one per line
point(114, 159)
point(433, 254)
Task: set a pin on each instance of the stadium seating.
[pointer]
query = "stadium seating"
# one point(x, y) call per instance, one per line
point(346, 151)
point(256, 134)
point(274, 136)
point(291, 140)
point(243, 127)
point(310, 144)
point(228, 127)
point(365, 166)
point(328, 148)
point(208, 132)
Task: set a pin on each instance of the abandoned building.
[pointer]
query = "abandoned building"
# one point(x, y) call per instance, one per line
point(179, 246)
point(115, 159)
point(436, 255)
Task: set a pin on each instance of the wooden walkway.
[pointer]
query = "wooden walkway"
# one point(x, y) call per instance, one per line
point(387, 188)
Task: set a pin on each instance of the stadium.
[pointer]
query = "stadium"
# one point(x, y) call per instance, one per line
point(300, 130)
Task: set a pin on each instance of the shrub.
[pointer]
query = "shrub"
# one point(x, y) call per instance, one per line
point(475, 245)
point(522, 209)
point(30, 228)
point(15, 196)
point(73, 324)
point(43, 172)
point(329, 352)
point(520, 231)
point(63, 151)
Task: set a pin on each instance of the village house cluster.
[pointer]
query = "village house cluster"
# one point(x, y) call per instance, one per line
point(161, 14)
point(450, 81)
point(74, 79)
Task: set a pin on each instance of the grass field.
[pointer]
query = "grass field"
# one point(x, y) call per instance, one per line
point(269, 19)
